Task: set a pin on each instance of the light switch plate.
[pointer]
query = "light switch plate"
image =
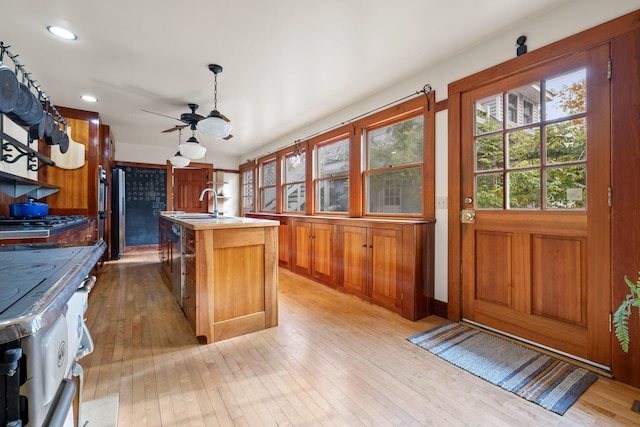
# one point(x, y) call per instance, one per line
point(442, 203)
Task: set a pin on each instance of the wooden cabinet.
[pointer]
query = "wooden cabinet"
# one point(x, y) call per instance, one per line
point(313, 243)
point(284, 237)
point(86, 232)
point(383, 261)
point(372, 263)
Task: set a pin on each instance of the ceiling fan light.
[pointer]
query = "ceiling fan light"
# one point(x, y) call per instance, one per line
point(214, 127)
point(192, 150)
point(179, 161)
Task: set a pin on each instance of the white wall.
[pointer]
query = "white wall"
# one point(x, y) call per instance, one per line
point(566, 20)
point(142, 154)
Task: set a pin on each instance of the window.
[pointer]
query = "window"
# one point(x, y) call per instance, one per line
point(268, 187)
point(539, 162)
point(332, 176)
point(393, 179)
point(247, 190)
point(294, 182)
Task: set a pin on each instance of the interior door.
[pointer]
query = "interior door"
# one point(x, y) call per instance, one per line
point(535, 220)
point(187, 186)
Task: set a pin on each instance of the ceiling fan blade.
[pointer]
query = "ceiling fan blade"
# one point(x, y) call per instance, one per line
point(228, 137)
point(174, 128)
point(224, 118)
point(158, 114)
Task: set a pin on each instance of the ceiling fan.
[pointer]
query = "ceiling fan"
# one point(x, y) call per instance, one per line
point(190, 119)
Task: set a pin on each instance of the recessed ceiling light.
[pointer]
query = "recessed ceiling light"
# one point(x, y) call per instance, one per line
point(89, 98)
point(61, 32)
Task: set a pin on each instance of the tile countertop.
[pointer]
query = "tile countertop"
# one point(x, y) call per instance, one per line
point(200, 221)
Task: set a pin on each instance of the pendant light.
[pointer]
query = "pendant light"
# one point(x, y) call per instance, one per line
point(215, 124)
point(179, 161)
point(192, 149)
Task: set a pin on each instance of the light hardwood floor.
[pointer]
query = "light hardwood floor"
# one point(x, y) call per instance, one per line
point(332, 361)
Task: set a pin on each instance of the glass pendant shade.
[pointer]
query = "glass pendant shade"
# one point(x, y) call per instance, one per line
point(192, 149)
point(214, 127)
point(179, 161)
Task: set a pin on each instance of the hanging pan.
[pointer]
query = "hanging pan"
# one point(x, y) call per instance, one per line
point(45, 127)
point(28, 110)
point(63, 139)
point(8, 87)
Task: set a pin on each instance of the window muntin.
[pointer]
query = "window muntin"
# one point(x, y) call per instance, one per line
point(514, 167)
point(268, 187)
point(332, 176)
point(393, 179)
point(294, 182)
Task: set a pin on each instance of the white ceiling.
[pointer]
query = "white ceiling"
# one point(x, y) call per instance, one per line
point(286, 63)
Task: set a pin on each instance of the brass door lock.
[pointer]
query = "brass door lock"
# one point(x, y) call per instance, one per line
point(468, 216)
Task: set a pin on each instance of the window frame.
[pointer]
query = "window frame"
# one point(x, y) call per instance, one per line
point(302, 150)
point(354, 131)
point(249, 167)
point(261, 163)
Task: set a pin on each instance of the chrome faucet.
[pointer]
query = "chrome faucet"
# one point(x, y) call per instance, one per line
point(215, 200)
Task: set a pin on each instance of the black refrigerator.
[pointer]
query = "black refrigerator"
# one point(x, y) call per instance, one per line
point(117, 213)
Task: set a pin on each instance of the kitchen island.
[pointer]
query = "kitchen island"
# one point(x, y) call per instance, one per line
point(229, 273)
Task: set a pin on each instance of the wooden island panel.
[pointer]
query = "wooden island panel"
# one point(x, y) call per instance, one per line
point(230, 276)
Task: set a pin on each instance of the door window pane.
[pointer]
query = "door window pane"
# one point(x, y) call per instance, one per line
point(524, 148)
point(489, 153)
point(489, 114)
point(567, 141)
point(489, 191)
point(566, 95)
point(524, 105)
point(566, 187)
point(524, 189)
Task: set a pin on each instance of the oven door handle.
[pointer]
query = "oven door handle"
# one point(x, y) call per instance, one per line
point(87, 284)
point(61, 404)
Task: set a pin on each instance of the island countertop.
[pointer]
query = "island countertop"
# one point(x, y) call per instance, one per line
point(202, 221)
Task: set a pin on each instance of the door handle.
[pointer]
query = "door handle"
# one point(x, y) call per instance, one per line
point(468, 216)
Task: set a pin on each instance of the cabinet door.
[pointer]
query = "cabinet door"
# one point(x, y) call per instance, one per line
point(354, 259)
point(386, 266)
point(283, 245)
point(322, 234)
point(302, 250)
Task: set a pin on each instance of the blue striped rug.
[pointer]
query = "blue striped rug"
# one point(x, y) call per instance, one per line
point(553, 384)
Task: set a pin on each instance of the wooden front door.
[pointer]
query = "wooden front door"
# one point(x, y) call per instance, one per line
point(187, 186)
point(535, 223)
